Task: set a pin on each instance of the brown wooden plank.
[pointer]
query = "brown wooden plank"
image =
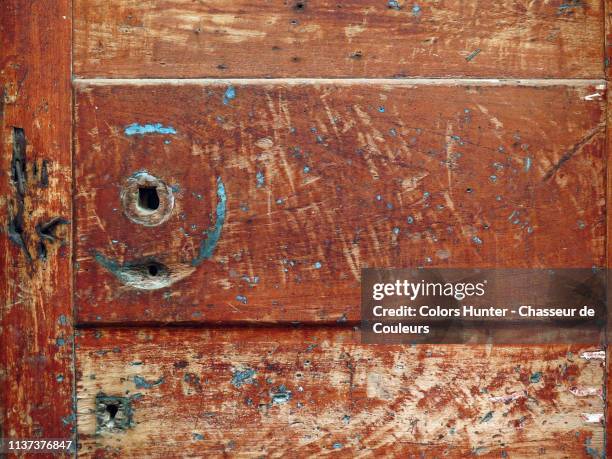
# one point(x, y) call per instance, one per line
point(322, 179)
point(308, 393)
point(609, 265)
point(608, 48)
point(36, 373)
point(324, 38)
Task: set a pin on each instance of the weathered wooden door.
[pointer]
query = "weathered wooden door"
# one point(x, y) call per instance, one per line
point(190, 189)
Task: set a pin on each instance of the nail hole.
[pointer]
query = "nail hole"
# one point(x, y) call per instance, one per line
point(148, 198)
point(153, 270)
point(112, 410)
point(113, 414)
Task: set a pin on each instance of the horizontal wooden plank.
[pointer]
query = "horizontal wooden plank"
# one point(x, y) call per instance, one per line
point(324, 38)
point(308, 393)
point(271, 197)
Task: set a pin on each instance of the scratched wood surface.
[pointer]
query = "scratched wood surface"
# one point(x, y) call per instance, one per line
point(36, 365)
point(317, 392)
point(325, 38)
point(609, 262)
point(283, 192)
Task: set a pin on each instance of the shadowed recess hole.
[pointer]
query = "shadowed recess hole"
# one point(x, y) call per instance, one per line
point(148, 198)
point(153, 270)
point(112, 410)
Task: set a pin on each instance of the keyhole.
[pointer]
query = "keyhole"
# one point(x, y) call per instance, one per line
point(112, 410)
point(148, 199)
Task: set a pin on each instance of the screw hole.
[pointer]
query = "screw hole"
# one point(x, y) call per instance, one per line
point(112, 410)
point(153, 270)
point(148, 198)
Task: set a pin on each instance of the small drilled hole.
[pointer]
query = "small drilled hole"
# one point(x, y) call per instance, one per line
point(148, 198)
point(153, 270)
point(112, 410)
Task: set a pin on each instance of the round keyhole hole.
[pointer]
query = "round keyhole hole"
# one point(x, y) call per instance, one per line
point(148, 199)
point(112, 410)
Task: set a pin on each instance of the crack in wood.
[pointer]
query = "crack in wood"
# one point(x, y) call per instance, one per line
point(572, 151)
point(16, 226)
point(46, 232)
point(19, 177)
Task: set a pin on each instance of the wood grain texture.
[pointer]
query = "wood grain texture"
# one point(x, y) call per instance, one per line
point(324, 38)
point(36, 372)
point(312, 393)
point(321, 180)
point(609, 266)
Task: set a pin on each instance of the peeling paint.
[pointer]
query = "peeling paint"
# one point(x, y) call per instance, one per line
point(240, 378)
point(144, 129)
point(207, 246)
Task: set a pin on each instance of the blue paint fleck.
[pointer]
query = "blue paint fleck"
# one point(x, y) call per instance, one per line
point(243, 377)
point(493, 178)
point(142, 383)
point(535, 378)
point(60, 341)
point(62, 320)
point(593, 452)
point(394, 5)
point(198, 436)
point(416, 10)
point(396, 230)
point(230, 94)
point(317, 265)
point(568, 6)
point(59, 378)
point(410, 220)
point(487, 417)
point(68, 419)
point(155, 128)
point(527, 164)
point(476, 240)
point(282, 395)
point(242, 299)
point(261, 179)
point(381, 109)
point(207, 247)
point(473, 54)
point(306, 169)
point(337, 445)
point(346, 419)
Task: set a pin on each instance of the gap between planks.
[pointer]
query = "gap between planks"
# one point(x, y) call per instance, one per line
point(601, 83)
